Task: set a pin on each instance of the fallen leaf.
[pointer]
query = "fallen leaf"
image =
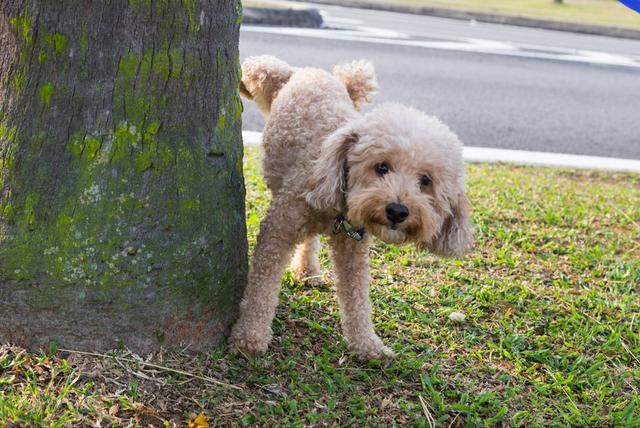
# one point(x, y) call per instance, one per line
point(275, 389)
point(201, 421)
point(113, 410)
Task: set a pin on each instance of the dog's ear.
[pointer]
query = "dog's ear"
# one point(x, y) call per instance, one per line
point(456, 236)
point(327, 182)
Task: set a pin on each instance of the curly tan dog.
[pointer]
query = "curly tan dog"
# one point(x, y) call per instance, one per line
point(394, 173)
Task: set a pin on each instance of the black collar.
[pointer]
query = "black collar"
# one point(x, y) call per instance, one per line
point(342, 225)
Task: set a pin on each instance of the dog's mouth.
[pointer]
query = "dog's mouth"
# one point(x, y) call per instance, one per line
point(391, 233)
point(401, 226)
point(376, 223)
point(415, 225)
point(395, 233)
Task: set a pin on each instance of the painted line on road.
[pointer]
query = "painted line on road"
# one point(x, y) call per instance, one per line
point(521, 157)
point(252, 138)
point(331, 20)
point(388, 37)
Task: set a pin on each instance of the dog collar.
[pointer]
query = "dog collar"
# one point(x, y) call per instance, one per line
point(342, 225)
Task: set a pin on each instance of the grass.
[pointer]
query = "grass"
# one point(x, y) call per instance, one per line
point(604, 12)
point(551, 336)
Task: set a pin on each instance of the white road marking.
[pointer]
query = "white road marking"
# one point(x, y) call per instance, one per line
point(330, 20)
point(521, 157)
point(388, 37)
point(491, 44)
point(252, 138)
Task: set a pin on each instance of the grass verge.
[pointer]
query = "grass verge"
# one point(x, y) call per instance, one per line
point(603, 12)
point(551, 336)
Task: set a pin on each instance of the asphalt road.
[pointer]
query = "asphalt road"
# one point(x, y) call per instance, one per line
point(496, 86)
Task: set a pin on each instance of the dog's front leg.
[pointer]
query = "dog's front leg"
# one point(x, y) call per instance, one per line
point(351, 264)
point(276, 241)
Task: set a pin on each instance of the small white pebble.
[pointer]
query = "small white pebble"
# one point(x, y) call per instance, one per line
point(457, 316)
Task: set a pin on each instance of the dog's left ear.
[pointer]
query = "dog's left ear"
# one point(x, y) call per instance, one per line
point(327, 182)
point(456, 236)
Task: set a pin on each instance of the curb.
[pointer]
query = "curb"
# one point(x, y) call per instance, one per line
point(520, 157)
point(281, 14)
point(547, 24)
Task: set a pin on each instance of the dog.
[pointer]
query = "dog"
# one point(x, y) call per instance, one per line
point(394, 173)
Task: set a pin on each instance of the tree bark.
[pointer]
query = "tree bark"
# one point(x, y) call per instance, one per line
point(122, 197)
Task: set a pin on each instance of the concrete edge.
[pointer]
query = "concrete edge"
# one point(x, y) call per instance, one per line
point(521, 157)
point(282, 16)
point(547, 24)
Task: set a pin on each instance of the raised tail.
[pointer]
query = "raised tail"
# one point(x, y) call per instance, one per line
point(359, 77)
point(262, 78)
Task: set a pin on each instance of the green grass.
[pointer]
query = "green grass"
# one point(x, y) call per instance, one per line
point(551, 336)
point(604, 12)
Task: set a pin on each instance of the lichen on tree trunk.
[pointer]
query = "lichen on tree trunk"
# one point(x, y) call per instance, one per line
point(122, 198)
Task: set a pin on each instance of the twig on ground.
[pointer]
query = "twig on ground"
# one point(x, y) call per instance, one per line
point(427, 413)
point(562, 388)
point(626, 216)
point(624, 345)
point(454, 419)
point(155, 366)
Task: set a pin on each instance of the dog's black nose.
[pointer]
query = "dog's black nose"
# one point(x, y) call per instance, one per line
point(397, 213)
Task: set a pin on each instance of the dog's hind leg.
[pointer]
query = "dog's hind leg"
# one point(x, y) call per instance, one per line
point(305, 264)
point(276, 241)
point(351, 264)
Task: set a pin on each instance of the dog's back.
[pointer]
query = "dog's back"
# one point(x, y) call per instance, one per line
point(264, 76)
point(302, 107)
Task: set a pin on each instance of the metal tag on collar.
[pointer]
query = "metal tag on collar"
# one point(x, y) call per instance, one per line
point(342, 225)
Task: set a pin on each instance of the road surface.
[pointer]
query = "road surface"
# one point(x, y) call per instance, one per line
point(496, 86)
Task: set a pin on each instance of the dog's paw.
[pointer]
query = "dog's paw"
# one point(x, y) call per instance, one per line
point(306, 274)
point(371, 348)
point(249, 341)
point(308, 280)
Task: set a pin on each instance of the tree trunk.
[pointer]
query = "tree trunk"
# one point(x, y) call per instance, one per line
point(122, 197)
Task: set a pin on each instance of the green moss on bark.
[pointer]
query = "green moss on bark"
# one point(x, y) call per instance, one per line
point(128, 176)
point(45, 93)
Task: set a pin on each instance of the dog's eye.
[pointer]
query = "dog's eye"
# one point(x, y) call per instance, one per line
point(425, 180)
point(382, 168)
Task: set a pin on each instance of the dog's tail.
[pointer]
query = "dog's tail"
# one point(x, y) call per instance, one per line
point(262, 78)
point(359, 77)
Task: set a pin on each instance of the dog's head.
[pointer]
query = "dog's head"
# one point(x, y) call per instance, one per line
point(399, 174)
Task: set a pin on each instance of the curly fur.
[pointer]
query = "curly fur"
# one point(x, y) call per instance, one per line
point(359, 78)
point(262, 79)
point(320, 157)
